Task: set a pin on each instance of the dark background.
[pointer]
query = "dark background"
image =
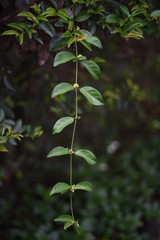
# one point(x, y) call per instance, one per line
point(124, 135)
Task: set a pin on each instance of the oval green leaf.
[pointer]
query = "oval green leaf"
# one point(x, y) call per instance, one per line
point(58, 151)
point(68, 224)
point(62, 123)
point(92, 95)
point(86, 186)
point(155, 13)
point(61, 89)
point(82, 16)
point(87, 155)
point(60, 187)
point(63, 57)
point(92, 68)
point(63, 218)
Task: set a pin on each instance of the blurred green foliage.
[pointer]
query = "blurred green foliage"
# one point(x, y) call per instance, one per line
point(125, 136)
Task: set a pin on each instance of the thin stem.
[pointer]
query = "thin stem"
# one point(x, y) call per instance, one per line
point(73, 135)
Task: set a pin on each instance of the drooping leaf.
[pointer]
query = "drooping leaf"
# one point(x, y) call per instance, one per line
point(2, 115)
point(61, 89)
point(92, 95)
point(87, 155)
point(63, 14)
point(60, 187)
point(57, 43)
point(92, 67)
point(47, 28)
point(49, 12)
point(63, 57)
point(58, 151)
point(88, 2)
point(86, 44)
point(10, 32)
point(86, 186)
point(94, 41)
point(17, 26)
point(68, 224)
point(130, 26)
point(71, 40)
point(18, 126)
point(62, 123)
point(21, 38)
point(155, 13)
point(124, 10)
point(29, 16)
point(63, 218)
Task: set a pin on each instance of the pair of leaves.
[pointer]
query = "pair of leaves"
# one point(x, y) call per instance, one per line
point(68, 220)
point(62, 187)
point(85, 154)
point(91, 66)
point(91, 94)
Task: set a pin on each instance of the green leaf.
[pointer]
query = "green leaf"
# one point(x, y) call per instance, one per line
point(71, 40)
point(63, 218)
point(49, 12)
point(18, 26)
point(58, 151)
point(155, 13)
point(61, 89)
point(124, 10)
point(130, 26)
point(87, 155)
point(62, 14)
point(68, 224)
point(111, 18)
point(82, 16)
point(60, 187)
point(94, 41)
point(67, 34)
point(92, 95)
point(91, 39)
point(47, 28)
point(92, 67)
point(28, 15)
point(86, 45)
point(21, 38)
point(62, 123)
point(57, 43)
point(10, 32)
point(86, 186)
point(3, 148)
point(88, 2)
point(63, 57)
